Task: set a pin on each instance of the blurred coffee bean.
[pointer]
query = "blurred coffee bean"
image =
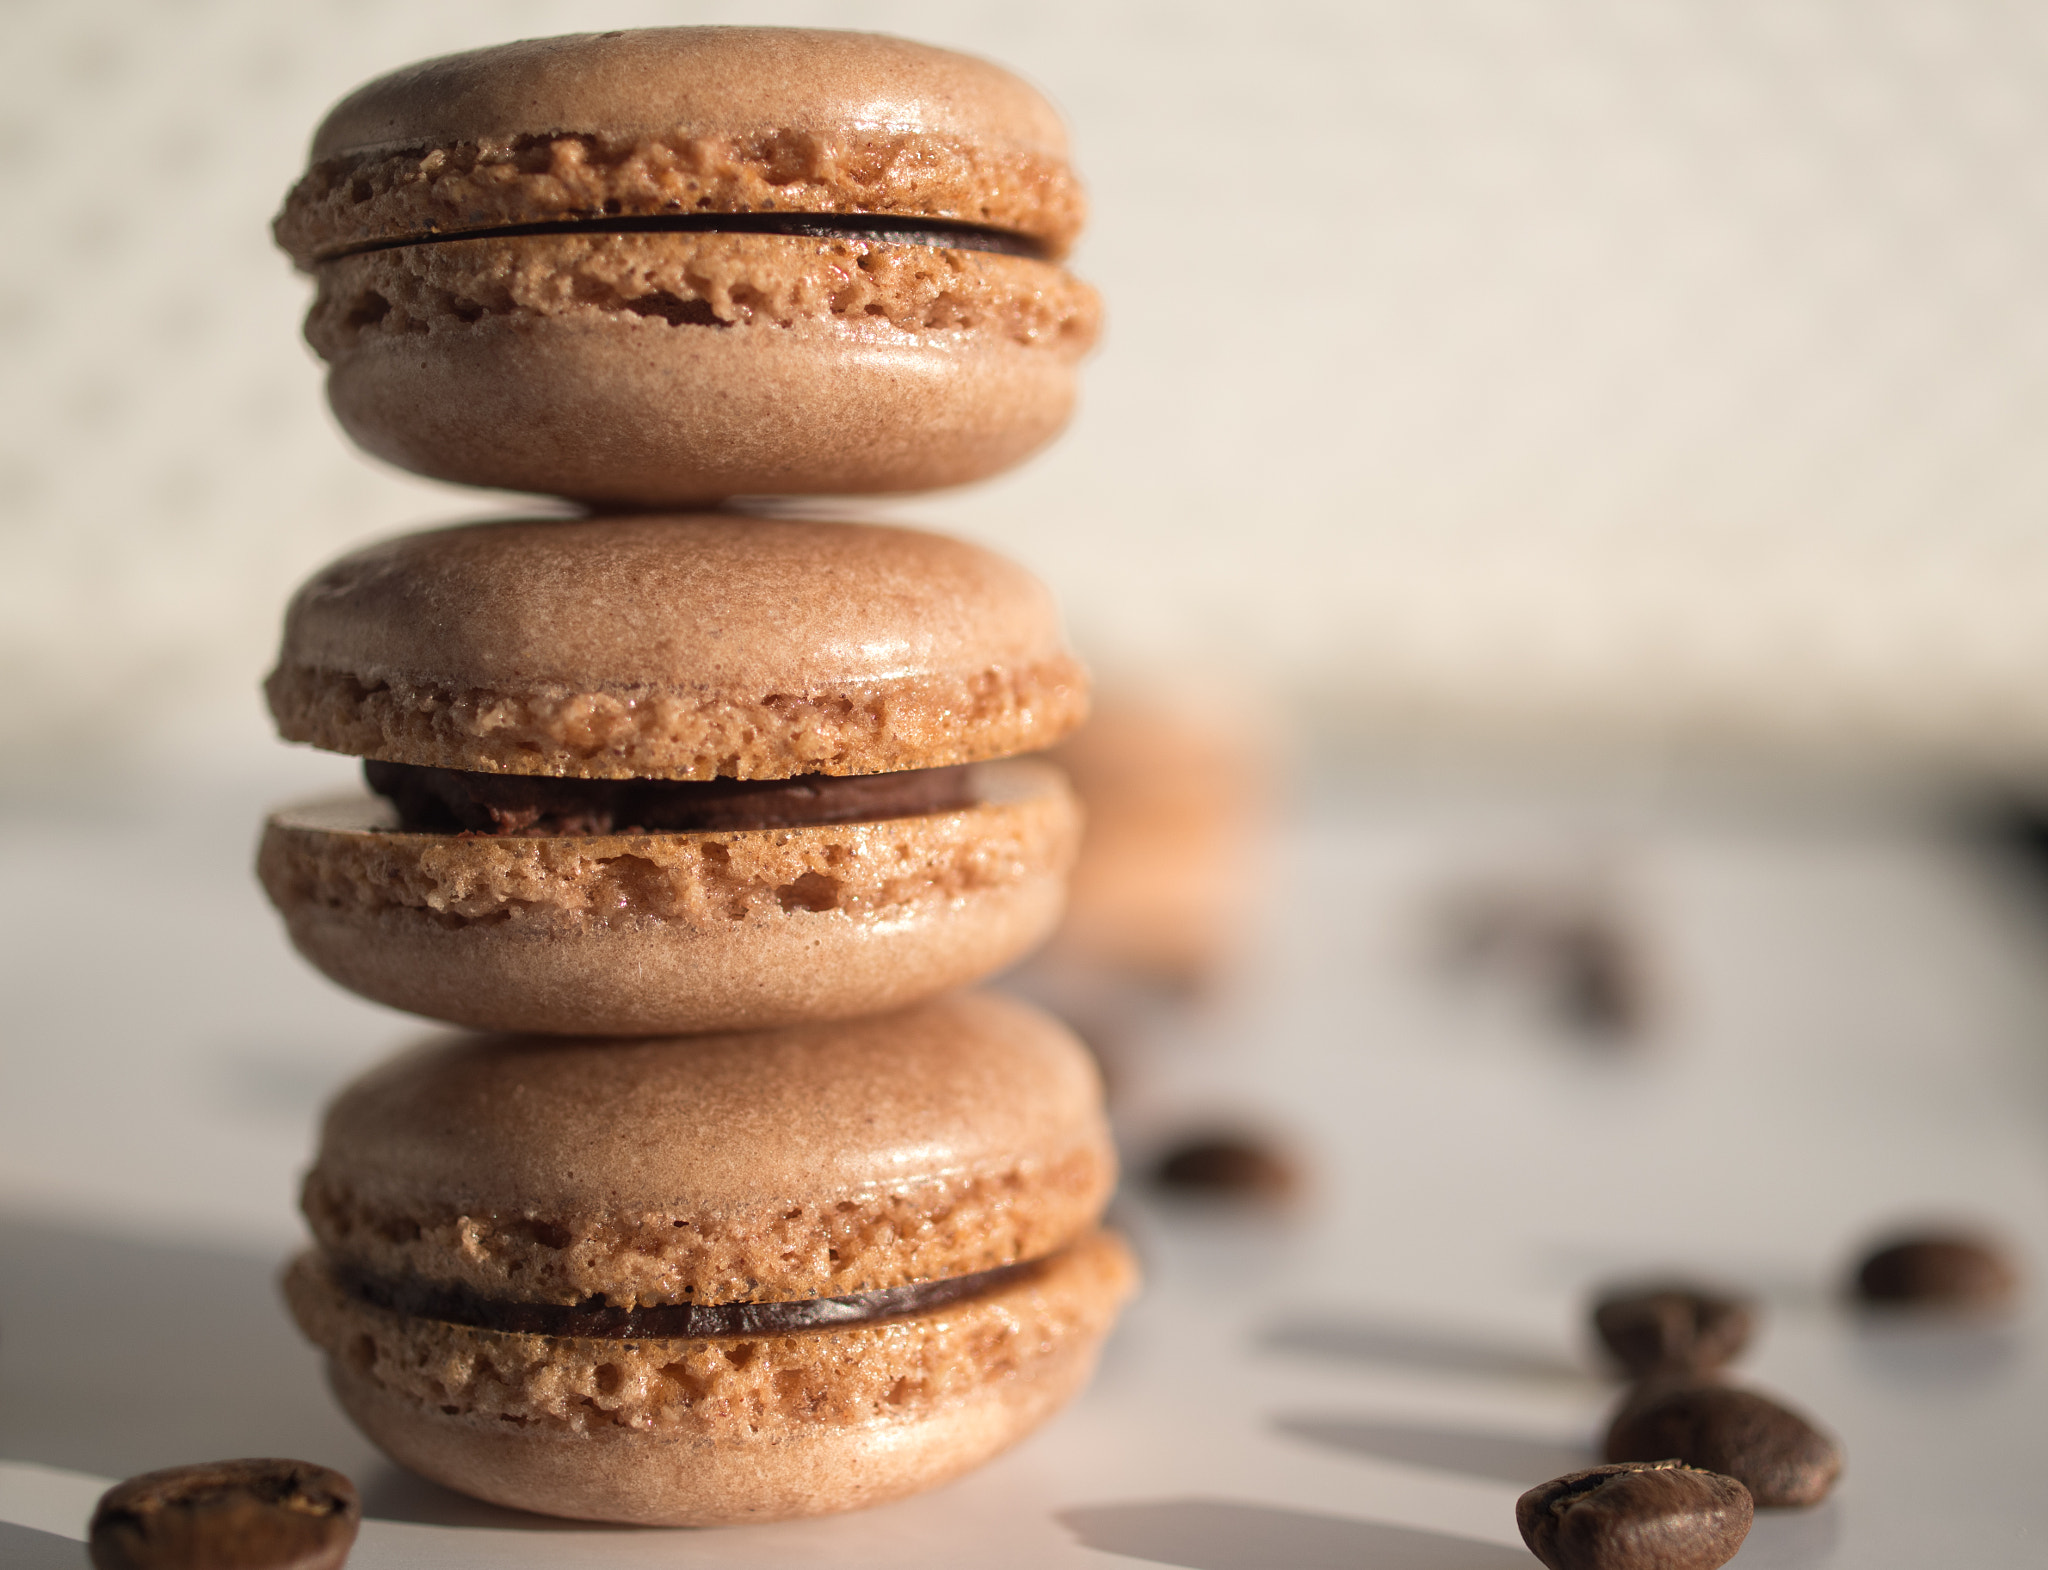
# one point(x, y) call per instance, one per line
point(227, 1515)
point(1670, 1327)
point(1646, 1515)
point(1601, 986)
point(1776, 1454)
point(1575, 952)
point(1229, 1166)
point(1939, 1270)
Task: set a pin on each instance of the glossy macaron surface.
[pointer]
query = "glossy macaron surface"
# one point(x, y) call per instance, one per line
point(685, 120)
point(683, 647)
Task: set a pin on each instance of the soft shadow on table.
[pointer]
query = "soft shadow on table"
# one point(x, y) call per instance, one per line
point(24, 1548)
point(390, 1493)
point(1220, 1534)
point(1509, 1458)
point(119, 1356)
point(1417, 1347)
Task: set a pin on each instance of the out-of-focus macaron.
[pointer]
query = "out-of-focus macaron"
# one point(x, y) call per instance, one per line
point(658, 774)
point(1175, 788)
point(714, 1279)
point(666, 266)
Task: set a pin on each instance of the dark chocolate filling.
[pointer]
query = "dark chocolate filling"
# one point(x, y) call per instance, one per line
point(454, 801)
point(877, 228)
point(597, 1319)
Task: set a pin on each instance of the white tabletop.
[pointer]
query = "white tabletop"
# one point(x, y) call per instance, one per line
point(1851, 1029)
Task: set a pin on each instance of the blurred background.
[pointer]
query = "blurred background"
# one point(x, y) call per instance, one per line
point(1641, 377)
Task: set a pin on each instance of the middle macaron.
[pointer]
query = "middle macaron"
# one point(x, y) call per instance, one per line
point(648, 775)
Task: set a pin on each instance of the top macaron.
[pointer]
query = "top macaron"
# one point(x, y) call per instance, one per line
point(686, 263)
point(684, 119)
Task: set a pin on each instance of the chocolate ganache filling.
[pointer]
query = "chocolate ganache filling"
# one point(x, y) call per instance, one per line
point(875, 228)
point(594, 1318)
point(455, 801)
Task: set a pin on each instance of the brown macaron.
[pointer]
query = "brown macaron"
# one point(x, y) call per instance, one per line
point(662, 267)
point(717, 1278)
point(667, 774)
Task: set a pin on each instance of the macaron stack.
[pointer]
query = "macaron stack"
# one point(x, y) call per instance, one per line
point(739, 1210)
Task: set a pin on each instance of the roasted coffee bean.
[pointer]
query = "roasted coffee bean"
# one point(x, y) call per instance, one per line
point(1776, 1454)
point(227, 1515)
point(1640, 1515)
point(1669, 1327)
point(1229, 1166)
point(1950, 1270)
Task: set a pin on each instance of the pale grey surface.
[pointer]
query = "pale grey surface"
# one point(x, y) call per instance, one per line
point(1850, 1017)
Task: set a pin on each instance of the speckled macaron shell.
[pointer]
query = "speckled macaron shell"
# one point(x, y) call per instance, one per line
point(677, 647)
point(718, 1431)
point(958, 1136)
point(665, 369)
point(684, 120)
point(643, 934)
point(674, 369)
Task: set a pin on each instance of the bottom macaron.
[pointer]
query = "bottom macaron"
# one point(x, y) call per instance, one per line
point(714, 1430)
point(702, 1279)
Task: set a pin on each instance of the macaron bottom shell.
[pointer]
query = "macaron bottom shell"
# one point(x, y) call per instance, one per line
point(624, 409)
point(720, 1430)
point(651, 934)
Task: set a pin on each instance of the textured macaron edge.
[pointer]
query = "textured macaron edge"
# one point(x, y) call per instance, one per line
point(715, 1430)
point(348, 853)
point(661, 732)
point(684, 121)
point(702, 282)
point(343, 204)
point(902, 1234)
point(640, 934)
point(843, 1375)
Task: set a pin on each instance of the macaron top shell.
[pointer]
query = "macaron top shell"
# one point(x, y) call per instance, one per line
point(953, 1137)
point(684, 120)
point(682, 647)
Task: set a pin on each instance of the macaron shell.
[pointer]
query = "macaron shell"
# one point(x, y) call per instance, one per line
point(904, 295)
point(733, 81)
point(685, 647)
point(720, 1430)
point(572, 384)
point(958, 1136)
point(670, 120)
point(647, 934)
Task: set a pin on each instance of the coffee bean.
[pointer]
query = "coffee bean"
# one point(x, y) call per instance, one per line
point(1229, 1166)
point(1776, 1454)
point(227, 1515)
point(1602, 984)
point(1951, 1270)
point(1670, 1327)
point(1574, 950)
point(1642, 1515)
